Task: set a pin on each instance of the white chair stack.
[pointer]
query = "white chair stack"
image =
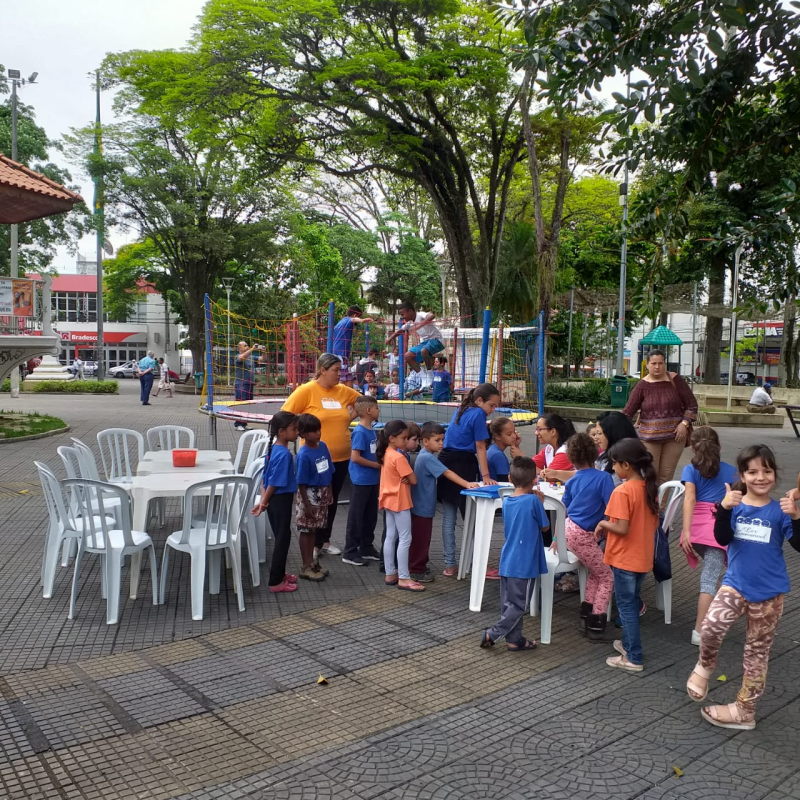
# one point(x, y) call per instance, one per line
point(669, 498)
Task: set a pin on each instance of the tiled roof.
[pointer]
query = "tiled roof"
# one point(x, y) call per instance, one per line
point(26, 195)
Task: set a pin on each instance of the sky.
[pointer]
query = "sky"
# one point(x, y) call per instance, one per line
point(65, 41)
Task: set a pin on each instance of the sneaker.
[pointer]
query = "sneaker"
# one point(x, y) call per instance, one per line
point(311, 574)
point(355, 561)
point(423, 577)
point(240, 426)
point(492, 574)
point(371, 555)
point(290, 578)
point(695, 638)
point(330, 549)
point(450, 572)
point(284, 586)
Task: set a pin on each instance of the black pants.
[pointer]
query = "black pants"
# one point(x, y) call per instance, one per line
point(339, 476)
point(146, 384)
point(362, 517)
point(279, 511)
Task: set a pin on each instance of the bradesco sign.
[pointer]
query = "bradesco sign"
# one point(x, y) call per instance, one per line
point(16, 297)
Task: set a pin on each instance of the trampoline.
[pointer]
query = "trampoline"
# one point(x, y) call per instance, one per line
point(261, 410)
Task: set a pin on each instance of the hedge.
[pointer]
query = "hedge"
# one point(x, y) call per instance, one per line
point(74, 387)
point(590, 392)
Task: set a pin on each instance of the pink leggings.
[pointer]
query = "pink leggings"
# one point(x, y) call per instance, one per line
point(600, 585)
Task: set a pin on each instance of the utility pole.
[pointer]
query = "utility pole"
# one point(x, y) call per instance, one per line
point(623, 264)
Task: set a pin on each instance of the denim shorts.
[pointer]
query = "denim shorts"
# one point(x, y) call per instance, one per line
point(431, 345)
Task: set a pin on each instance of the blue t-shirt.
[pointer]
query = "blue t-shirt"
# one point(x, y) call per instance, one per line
point(279, 470)
point(756, 567)
point(463, 434)
point(343, 338)
point(498, 463)
point(442, 381)
point(245, 369)
point(710, 490)
point(366, 441)
point(148, 363)
point(314, 466)
point(523, 552)
point(428, 469)
point(586, 495)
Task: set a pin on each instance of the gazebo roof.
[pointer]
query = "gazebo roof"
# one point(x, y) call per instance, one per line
point(26, 195)
point(662, 336)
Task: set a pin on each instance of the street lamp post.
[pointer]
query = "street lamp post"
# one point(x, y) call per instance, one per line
point(734, 301)
point(17, 80)
point(228, 284)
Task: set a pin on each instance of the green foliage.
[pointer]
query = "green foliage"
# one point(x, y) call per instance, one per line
point(14, 424)
point(5, 386)
point(590, 392)
point(72, 387)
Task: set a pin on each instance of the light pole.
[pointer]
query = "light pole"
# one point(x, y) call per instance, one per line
point(734, 300)
point(17, 80)
point(228, 284)
point(623, 264)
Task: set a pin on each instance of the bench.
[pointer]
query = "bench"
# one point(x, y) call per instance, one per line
point(789, 410)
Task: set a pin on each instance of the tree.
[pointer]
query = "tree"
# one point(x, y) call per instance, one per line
point(39, 239)
point(420, 92)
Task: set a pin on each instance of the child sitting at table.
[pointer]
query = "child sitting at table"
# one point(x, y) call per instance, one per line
point(504, 434)
point(522, 559)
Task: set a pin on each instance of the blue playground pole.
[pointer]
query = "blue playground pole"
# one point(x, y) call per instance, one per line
point(331, 323)
point(541, 376)
point(212, 420)
point(487, 324)
point(402, 365)
point(366, 336)
point(463, 361)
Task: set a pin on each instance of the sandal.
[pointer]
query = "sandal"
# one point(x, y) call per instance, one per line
point(621, 662)
point(694, 688)
point(411, 586)
point(283, 586)
point(730, 716)
point(520, 646)
point(486, 641)
point(391, 580)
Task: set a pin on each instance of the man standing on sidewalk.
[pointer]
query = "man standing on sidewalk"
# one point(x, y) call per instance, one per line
point(145, 371)
point(246, 375)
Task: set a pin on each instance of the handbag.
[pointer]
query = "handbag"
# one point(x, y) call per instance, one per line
point(662, 564)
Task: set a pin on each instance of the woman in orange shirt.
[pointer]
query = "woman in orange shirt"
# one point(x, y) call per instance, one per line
point(630, 532)
point(397, 478)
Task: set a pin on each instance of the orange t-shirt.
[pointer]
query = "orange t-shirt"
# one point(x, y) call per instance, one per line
point(634, 550)
point(395, 495)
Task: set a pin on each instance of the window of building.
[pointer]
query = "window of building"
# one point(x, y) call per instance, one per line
point(74, 306)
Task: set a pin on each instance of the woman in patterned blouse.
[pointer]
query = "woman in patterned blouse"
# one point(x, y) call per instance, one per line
point(666, 409)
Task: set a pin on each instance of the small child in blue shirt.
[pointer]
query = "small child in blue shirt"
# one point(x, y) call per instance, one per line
point(314, 494)
point(277, 496)
point(365, 477)
point(442, 380)
point(586, 495)
point(522, 559)
point(503, 433)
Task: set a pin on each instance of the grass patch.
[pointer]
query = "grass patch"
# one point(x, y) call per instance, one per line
point(14, 424)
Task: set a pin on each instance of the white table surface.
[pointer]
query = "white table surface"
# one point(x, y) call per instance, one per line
point(166, 467)
point(204, 455)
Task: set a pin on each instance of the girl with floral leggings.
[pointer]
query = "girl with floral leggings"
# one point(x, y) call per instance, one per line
point(753, 528)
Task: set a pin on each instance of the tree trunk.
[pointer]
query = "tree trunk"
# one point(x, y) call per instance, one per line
point(716, 295)
point(195, 318)
point(790, 345)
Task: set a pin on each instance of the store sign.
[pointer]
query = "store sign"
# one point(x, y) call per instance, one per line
point(109, 337)
point(753, 329)
point(16, 297)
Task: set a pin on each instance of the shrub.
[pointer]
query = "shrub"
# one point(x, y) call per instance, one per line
point(74, 387)
point(5, 386)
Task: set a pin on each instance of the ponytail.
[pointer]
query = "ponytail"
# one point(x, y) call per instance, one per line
point(279, 422)
point(483, 391)
point(707, 451)
point(393, 428)
point(633, 452)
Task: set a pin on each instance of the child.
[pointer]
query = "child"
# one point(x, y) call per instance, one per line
point(277, 496)
point(593, 429)
point(365, 475)
point(428, 470)
point(465, 454)
point(504, 434)
point(397, 477)
point(430, 337)
point(586, 496)
point(522, 559)
point(442, 380)
point(753, 527)
point(412, 445)
point(705, 480)
point(393, 389)
point(630, 542)
point(314, 495)
point(370, 386)
point(413, 385)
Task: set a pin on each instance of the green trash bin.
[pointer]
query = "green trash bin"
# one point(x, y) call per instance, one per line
point(620, 386)
point(198, 381)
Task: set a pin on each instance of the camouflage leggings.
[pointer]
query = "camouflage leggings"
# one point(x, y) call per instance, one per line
point(762, 619)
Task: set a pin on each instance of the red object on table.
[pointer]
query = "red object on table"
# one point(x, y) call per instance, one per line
point(184, 458)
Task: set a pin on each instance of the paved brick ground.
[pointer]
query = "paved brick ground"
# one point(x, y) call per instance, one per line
point(161, 707)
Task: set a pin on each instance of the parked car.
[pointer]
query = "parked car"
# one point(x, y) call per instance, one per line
point(126, 370)
point(89, 369)
point(742, 379)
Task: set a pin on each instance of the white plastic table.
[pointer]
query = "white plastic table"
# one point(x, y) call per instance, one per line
point(162, 467)
point(478, 523)
point(202, 455)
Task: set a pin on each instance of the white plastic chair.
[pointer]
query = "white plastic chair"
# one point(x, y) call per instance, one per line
point(121, 449)
point(247, 441)
point(89, 462)
point(563, 561)
point(111, 544)
point(226, 503)
point(170, 437)
point(256, 529)
point(669, 498)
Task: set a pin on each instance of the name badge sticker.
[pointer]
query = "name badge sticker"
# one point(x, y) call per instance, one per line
point(373, 446)
point(753, 530)
point(322, 465)
point(330, 404)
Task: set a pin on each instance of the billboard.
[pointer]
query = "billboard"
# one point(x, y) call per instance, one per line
point(16, 297)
